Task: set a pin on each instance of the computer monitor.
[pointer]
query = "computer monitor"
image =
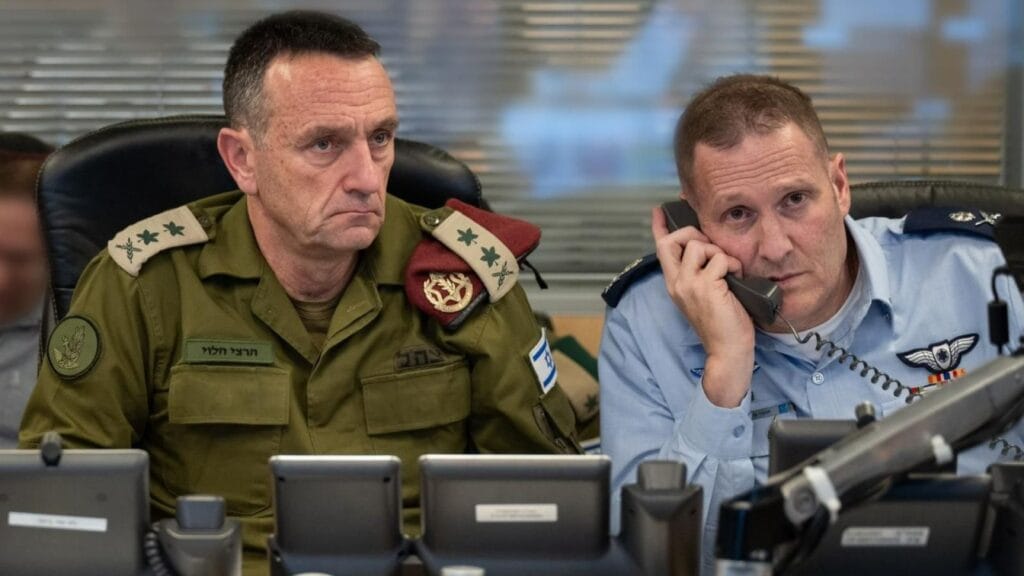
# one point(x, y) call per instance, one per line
point(336, 514)
point(790, 442)
point(87, 515)
point(517, 514)
point(926, 524)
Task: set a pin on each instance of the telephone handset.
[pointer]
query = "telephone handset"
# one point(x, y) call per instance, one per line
point(762, 299)
point(759, 296)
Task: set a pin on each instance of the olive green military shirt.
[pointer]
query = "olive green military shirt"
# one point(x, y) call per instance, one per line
point(203, 361)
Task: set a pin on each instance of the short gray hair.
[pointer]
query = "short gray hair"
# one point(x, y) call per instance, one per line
point(288, 33)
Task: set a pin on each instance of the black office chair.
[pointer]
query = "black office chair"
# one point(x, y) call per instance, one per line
point(108, 179)
point(893, 199)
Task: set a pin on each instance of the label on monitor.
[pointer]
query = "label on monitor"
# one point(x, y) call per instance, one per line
point(57, 522)
point(517, 512)
point(888, 536)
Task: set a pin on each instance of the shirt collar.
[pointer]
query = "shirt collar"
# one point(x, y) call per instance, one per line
point(390, 252)
point(872, 263)
point(232, 248)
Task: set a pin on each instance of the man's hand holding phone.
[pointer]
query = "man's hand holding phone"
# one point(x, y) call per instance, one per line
point(694, 270)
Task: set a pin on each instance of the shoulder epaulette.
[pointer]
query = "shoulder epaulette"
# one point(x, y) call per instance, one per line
point(470, 255)
point(132, 247)
point(621, 281)
point(938, 219)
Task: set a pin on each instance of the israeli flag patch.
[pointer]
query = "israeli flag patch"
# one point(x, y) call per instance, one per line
point(543, 364)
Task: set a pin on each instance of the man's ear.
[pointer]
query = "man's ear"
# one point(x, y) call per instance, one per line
point(840, 182)
point(236, 149)
point(686, 195)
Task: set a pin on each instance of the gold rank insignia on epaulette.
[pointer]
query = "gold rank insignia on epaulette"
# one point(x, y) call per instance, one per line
point(136, 244)
point(471, 255)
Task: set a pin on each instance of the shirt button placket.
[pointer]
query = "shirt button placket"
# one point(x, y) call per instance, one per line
point(816, 393)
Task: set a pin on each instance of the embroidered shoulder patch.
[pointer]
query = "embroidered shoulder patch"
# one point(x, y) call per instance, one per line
point(132, 247)
point(488, 256)
point(73, 347)
point(543, 364)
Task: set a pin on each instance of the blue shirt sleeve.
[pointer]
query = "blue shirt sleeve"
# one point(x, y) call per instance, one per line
point(639, 373)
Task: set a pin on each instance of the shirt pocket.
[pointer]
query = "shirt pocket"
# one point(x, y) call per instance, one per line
point(415, 412)
point(416, 399)
point(226, 422)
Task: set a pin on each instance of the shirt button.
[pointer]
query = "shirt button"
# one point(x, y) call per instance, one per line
point(818, 378)
point(431, 220)
point(738, 431)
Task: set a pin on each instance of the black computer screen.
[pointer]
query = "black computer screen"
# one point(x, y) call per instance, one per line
point(86, 515)
point(515, 506)
point(790, 442)
point(337, 504)
point(336, 514)
point(928, 523)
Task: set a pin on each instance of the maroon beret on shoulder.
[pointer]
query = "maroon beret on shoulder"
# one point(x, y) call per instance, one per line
point(470, 256)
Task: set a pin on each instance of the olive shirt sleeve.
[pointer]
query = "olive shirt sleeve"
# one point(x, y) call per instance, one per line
point(106, 405)
point(509, 412)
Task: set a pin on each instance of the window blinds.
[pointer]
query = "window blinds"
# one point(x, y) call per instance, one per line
point(564, 109)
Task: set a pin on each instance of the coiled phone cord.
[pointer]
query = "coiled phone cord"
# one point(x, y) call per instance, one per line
point(855, 362)
point(154, 554)
point(1006, 447)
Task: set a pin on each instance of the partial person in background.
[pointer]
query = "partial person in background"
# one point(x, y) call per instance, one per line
point(22, 277)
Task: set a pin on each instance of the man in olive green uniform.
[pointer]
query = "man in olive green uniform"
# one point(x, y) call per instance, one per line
point(292, 317)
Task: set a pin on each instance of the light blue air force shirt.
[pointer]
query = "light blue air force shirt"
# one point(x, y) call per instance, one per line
point(918, 293)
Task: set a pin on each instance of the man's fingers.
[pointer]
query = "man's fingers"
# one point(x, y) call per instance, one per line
point(659, 227)
point(717, 266)
point(698, 253)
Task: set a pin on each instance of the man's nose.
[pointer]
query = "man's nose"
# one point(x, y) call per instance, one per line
point(775, 244)
point(362, 174)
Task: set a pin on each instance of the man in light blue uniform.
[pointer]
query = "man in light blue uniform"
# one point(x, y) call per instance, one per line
point(685, 373)
point(22, 277)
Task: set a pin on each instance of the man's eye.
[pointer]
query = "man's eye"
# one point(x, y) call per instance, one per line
point(796, 198)
point(736, 214)
point(381, 138)
point(322, 145)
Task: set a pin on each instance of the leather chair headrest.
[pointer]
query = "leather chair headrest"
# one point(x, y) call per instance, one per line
point(893, 199)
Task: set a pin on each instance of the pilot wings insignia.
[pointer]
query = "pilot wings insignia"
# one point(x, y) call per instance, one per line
point(941, 356)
